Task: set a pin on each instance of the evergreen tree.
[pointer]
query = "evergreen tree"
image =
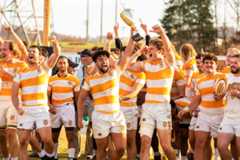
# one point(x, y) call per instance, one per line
point(190, 21)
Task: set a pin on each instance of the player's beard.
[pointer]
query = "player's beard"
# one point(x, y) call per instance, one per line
point(234, 71)
point(104, 70)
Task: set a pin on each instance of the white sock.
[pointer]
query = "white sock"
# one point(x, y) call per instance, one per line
point(138, 155)
point(216, 154)
point(178, 151)
point(41, 154)
point(50, 154)
point(55, 150)
point(156, 154)
point(94, 151)
point(71, 152)
point(14, 158)
point(184, 158)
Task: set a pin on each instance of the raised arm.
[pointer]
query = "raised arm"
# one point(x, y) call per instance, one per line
point(125, 57)
point(108, 42)
point(140, 82)
point(19, 42)
point(147, 36)
point(168, 53)
point(118, 42)
point(51, 62)
point(136, 67)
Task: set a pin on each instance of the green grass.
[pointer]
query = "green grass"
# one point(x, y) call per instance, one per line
point(62, 147)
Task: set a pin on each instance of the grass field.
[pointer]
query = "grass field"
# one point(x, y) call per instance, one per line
point(62, 147)
point(62, 150)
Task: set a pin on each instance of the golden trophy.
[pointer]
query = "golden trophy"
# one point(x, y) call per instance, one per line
point(129, 22)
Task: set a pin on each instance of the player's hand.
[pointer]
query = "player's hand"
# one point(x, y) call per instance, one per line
point(54, 41)
point(133, 29)
point(235, 93)
point(124, 98)
point(109, 36)
point(181, 114)
point(218, 97)
point(157, 29)
point(116, 28)
point(144, 28)
point(8, 29)
point(55, 44)
point(144, 49)
point(195, 112)
point(52, 110)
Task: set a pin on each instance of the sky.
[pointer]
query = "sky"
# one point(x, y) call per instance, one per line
point(69, 16)
point(75, 12)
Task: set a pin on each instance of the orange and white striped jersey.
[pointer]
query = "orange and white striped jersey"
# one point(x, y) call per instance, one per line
point(33, 83)
point(179, 61)
point(127, 81)
point(190, 67)
point(195, 77)
point(63, 88)
point(205, 87)
point(104, 89)
point(159, 82)
point(178, 80)
point(185, 101)
point(226, 69)
point(12, 68)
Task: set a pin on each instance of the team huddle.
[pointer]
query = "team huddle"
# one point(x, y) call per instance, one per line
point(177, 99)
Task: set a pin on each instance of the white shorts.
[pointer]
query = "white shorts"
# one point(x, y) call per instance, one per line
point(131, 116)
point(8, 115)
point(231, 126)
point(155, 116)
point(34, 118)
point(65, 116)
point(193, 123)
point(208, 123)
point(104, 124)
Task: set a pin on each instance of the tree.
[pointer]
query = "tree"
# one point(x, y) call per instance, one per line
point(190, 21)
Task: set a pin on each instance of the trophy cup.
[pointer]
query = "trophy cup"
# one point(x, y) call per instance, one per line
point(128, 21)
point(220, 87)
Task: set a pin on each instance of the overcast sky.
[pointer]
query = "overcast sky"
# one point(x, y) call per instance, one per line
point(75, 12)
point(69, 16)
